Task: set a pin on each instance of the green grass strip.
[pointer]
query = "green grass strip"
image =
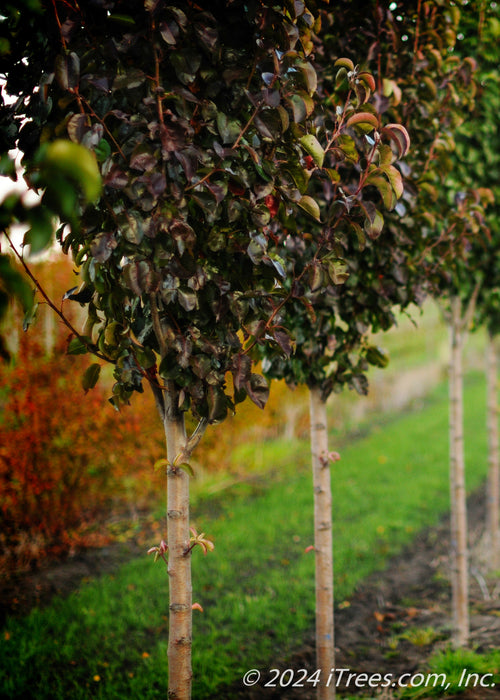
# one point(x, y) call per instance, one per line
point(108, 640)
point(454, 671)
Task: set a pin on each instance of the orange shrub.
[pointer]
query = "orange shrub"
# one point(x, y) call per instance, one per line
point(66, 458)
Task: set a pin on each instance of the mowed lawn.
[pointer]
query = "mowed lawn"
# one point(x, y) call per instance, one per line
point(108, 640)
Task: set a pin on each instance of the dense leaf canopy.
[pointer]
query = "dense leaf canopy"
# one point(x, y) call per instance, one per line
point(424, 84)
point(188, 112)
point(211, 143)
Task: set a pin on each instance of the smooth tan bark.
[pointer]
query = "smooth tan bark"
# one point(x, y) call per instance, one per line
point(458, 506)
point(493, 454)
point(323, 545)
point(179, 564)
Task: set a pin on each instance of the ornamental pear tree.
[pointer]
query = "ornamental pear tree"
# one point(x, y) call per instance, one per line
point(445, 212)
point(359, 153)
point(332, 348)
point(463, 207)
point(450, 213)
point(200, 119)
point(480, 165)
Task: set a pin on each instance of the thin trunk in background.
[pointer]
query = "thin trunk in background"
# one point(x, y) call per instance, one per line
point(458, 505)
point(493, 495)
point(49, 332)
point(323, 545)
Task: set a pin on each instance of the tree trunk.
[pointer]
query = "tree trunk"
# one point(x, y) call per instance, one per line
point(179, 563)
point(493, 458)
point(323, 545)
point(458, 508)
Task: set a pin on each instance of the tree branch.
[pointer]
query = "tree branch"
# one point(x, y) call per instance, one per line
point(471, 306)
point(158, 396)
point(243, 131)
point(155, 316)
point(196, 436)
point(90, 346)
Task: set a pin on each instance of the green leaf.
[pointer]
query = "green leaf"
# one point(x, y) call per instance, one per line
point(40, 235)
point(430, 189)
point(315, 276)
point(333, 174)
point(395, 178)
point(61, 196)
point(186, 63)
point(145, 357)
point(344, 63)
point(7, 167)
point(374, 225)
point(161, 464)
point(278, 264)
point(301, 105)
point(310, 143)
point(186, 468)
point(310, 205)
point(216, 239)
point(77, 347)
point(299, 175)
point(129, 80)
point(126, 20)
point(359, 233)
point(337, 271)
point(341, 79)
point(285, 119)
point(348, 147)
point(91, 376)
point(130, 226)
point(15, 284)
point(377, 356)
point(385, 189)
point(309, 77)
point(366, 121)
point(229, 129)
point(257, 249)
point(75, 162)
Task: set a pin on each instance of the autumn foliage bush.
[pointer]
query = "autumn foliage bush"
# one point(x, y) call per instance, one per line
point(68, 461)
point(66, 457)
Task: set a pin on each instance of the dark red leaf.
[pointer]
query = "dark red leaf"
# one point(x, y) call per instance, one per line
point(258, 390)
point(241, 370)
